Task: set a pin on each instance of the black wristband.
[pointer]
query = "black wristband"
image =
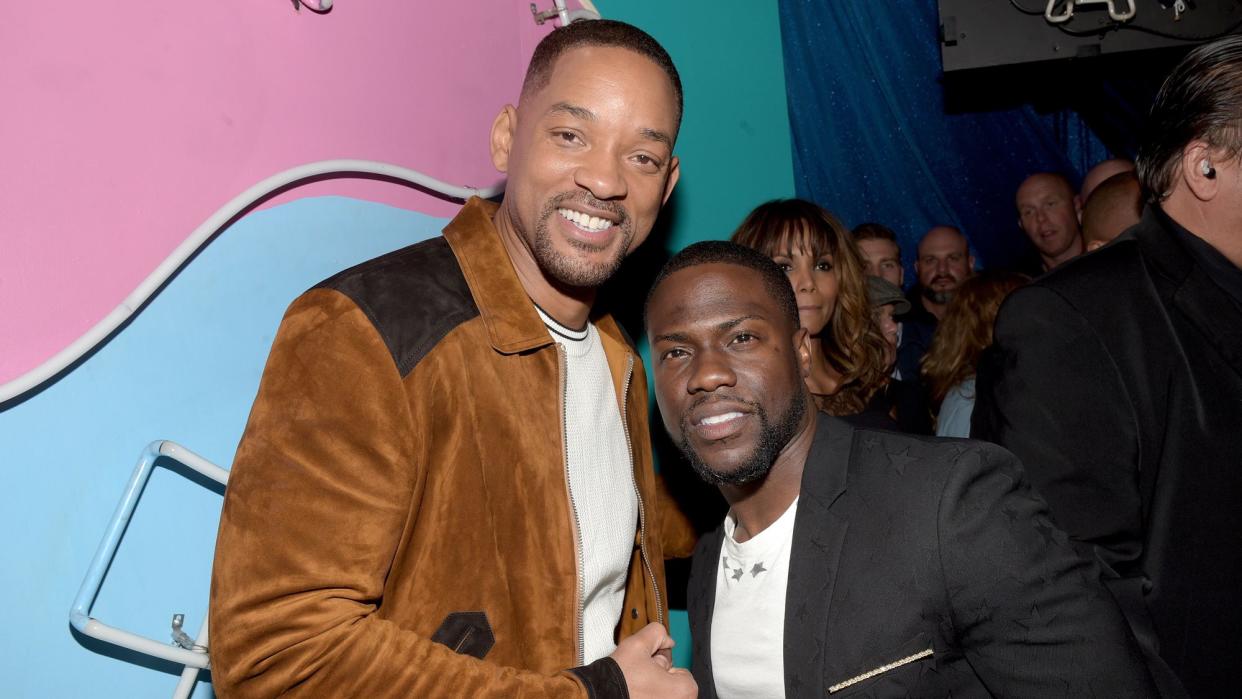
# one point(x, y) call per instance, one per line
point(603, 679)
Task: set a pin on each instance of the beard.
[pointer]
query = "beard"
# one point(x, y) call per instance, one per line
point(938, 297)
point(772, 439)
point(573, 270)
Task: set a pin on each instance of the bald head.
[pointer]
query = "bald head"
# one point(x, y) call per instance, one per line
point(942, 235)
point(1115, 205)
point(1103, 171)
point(1048, 214)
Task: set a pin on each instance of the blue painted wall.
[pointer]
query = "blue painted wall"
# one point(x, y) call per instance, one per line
point(186, 369)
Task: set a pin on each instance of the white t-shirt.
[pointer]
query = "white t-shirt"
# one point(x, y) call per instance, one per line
point(748, 623)
point(601, 484)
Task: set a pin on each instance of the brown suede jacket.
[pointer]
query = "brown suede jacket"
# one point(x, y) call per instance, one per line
point(397, 520)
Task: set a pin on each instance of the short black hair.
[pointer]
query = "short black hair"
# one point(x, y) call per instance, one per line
point(725, 252)
point(1201, 99)
point(597, 32)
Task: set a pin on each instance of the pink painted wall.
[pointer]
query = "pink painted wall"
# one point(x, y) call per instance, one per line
point(124, 125)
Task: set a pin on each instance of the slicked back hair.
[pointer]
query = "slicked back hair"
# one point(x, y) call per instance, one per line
point(1201, 99)
point(873, 231)
point(597, 32)
point(876, 231)
point(724, 252)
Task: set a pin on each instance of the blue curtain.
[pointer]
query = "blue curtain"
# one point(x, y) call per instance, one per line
point(877, 137)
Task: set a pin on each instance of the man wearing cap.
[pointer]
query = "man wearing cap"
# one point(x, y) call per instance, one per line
point(887, 301)
point(902, 402)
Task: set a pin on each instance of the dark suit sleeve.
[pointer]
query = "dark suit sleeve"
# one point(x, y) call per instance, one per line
point(1049, 392)
point(1030, 615)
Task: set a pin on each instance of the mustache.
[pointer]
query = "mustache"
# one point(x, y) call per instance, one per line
point(586, 199)
point(714, 398)
point(945, 277)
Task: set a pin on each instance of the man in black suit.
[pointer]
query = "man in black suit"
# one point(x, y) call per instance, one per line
point(1117, 382)
point(857, 562)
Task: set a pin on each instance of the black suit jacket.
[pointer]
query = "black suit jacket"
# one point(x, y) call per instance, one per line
point(904, 545)
point(1116, 380)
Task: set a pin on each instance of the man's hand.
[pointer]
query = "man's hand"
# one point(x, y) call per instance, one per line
point(646, 661)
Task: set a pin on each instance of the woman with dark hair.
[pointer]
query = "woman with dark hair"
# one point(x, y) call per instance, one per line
point(962, 335)
point(826, 271)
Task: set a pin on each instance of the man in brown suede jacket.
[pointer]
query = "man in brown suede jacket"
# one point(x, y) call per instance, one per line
point(414, 509)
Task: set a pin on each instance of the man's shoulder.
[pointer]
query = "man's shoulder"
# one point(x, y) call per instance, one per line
point(915, 464)
point(1103, 277)
point(413, 296)
point(1102, 288)
point(918, 315)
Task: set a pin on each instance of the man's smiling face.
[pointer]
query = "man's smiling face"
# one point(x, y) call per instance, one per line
point(728, 364)
point(589, 161)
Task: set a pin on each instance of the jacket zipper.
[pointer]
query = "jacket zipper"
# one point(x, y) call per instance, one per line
point(642, 516)
point(580, 593)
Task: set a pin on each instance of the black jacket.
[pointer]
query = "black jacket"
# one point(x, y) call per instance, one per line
point(905, 545)
point(1116, 380)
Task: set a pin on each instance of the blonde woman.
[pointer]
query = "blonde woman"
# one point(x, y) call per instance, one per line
point(826, 271)
point(962, 335)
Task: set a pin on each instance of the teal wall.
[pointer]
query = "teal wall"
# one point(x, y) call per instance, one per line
point(734, 143)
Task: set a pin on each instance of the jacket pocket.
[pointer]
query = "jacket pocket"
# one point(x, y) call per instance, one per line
point(916, 650)
point(468, 633)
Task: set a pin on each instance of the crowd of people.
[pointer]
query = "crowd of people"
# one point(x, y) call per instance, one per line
point(446, 484)
point(935, 334)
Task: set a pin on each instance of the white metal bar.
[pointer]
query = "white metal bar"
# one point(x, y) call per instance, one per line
point(189, 676)
point(80, 614)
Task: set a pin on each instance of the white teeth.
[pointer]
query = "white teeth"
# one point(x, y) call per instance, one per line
point(594, 224)
point(717, 419)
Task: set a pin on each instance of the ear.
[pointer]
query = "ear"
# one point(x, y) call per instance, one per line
point(1194, 156)
point(901, 276)
point(802, 348)
point(1078, 202)
point(674, 173)
point(970, 262)
point(503, 129)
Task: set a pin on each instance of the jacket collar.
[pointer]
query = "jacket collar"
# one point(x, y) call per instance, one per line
point(512, 323)
point(1196, 295)
point(508, 313)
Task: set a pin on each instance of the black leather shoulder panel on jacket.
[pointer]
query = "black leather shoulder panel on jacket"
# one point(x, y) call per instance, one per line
point(414, 296)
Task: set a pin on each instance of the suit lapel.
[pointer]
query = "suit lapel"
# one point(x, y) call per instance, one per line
point(704, 576)
point(819, 533)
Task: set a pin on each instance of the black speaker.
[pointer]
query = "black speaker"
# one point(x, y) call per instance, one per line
point(987, 33)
